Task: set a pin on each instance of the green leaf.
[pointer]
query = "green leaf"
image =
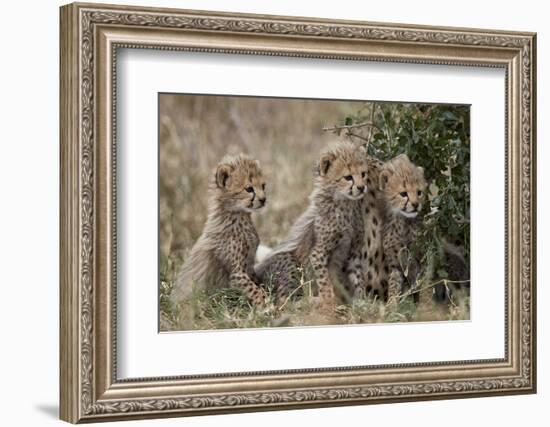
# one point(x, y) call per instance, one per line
point(442, 273)
point(449, 115)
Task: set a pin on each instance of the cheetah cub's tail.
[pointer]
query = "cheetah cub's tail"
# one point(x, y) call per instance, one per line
point(262, 253)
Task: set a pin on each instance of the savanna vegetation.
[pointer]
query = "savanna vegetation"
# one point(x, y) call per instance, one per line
point(287, 136)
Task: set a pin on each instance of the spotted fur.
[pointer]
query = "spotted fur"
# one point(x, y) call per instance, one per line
point(390, 215)
point(224, 253)
point(327, 238)
point(373, 212)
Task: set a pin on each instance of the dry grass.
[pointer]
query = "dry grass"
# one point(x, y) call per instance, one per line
point(286, 136)
point(229, 309)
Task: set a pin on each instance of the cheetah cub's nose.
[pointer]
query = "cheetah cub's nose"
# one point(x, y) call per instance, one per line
point(361, 188)
point(262, 201)
point(415, 205)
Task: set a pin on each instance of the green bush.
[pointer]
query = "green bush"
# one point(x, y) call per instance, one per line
point(436, 137)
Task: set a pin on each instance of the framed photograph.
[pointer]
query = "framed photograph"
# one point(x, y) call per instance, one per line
point(291, 208)
point(265, 212)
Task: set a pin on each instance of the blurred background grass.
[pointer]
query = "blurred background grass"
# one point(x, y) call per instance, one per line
point(286, 135)
point(197, 131)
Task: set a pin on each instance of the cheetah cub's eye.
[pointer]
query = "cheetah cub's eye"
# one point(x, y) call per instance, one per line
point(403, 194)
point(249, 189)
point(348, 177)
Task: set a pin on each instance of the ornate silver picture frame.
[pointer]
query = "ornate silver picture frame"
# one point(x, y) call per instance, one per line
point(91, 37)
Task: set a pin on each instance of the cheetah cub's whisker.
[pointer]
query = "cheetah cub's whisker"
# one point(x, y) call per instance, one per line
point(224, 253)
point(328, 234)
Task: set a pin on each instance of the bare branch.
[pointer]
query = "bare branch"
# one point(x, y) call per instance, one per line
point(355, 126)
point(349, 128)
point(431, 285)
point(371, 129)
point(351, 134)
point(302, 284)
point(449, 295)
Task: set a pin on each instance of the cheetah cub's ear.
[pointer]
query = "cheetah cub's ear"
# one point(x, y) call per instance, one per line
point(388, 171)
point(222, 175)
point(325, 162)
point(383, 179)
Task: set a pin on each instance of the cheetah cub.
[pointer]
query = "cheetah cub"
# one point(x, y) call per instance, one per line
point(403, 190)
point(224, 253)
point(329, 233)
point(391, 225)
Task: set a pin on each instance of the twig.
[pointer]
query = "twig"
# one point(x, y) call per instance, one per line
point(449, 295)
point(371, 129)
point(431, 285)
point(350, 134)
point(292, 293)
point(348, 128)
point(355, 126)
point(387, 129)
